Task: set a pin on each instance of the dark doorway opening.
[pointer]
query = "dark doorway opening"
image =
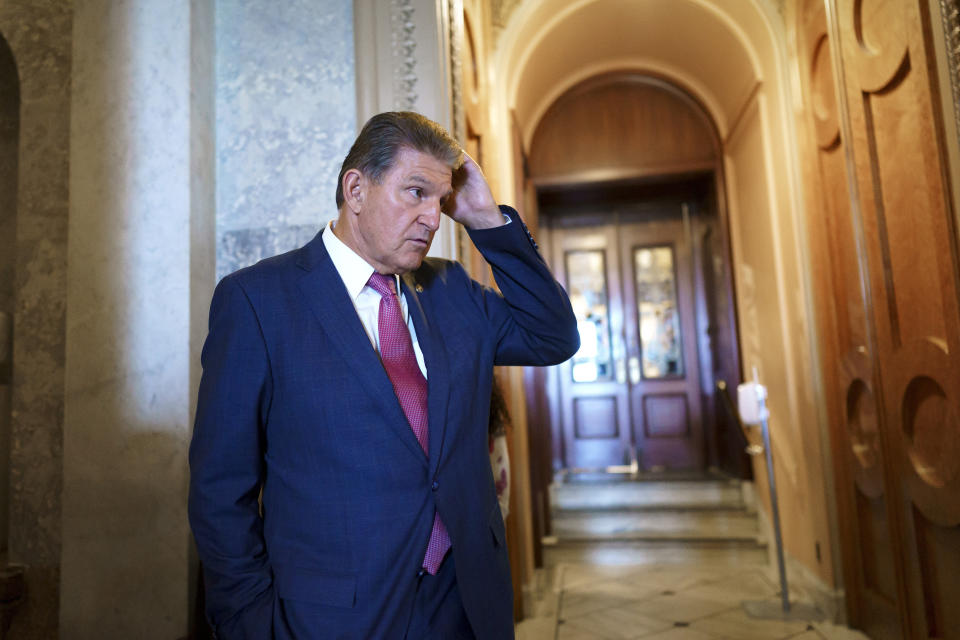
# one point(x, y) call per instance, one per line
point(9, 146)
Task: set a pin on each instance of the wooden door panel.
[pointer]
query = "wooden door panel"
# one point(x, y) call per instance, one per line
point(665, 400)
point(876, 549)
point(935, 569)
point(907, 219)
point(892, 355)
point(878, 587)
point(851, 370)
point(665, 415)
point(594, 413)
point(844, 267)
point(912, 259)
point(596, 417)
point(669, 436)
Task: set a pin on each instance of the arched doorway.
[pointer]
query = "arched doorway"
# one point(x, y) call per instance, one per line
point(629, 181)
point(734, 59)
point(9, 141)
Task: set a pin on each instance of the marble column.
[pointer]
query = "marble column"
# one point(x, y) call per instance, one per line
point(129, 351)
point(39, 37)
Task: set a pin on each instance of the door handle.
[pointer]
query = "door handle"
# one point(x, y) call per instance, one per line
point(619, 360)
point(621, 371)
point(634, 370)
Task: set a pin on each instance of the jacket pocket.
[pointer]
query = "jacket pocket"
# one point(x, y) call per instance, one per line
point(496, 525)
point(303, 585)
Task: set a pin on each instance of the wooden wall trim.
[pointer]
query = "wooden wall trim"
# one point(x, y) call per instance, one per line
point(599, 176)
point(622, 125)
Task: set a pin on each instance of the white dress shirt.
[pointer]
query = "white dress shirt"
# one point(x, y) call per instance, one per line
point(355, 271)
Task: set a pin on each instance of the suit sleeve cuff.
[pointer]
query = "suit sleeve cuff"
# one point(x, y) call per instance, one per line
point(511, 231)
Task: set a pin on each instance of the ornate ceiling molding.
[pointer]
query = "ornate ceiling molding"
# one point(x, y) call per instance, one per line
point(455, 28)
point(950, 14)
point(500, 11)
point(403, 48)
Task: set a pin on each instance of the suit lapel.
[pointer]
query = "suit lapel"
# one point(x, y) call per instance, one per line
point(438, 370)
point(328, 299)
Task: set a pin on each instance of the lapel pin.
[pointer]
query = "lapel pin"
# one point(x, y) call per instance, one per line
point(419, 288)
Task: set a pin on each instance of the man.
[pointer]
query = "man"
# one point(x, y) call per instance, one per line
point(340, 484)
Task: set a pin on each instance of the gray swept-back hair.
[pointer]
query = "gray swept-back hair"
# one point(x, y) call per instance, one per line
point(385, 134)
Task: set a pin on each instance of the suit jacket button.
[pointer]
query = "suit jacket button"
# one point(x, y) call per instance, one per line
point(435, 485)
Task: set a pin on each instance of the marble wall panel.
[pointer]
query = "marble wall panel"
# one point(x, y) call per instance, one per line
point(243, 247)
point(125, 566)
point(286, 109)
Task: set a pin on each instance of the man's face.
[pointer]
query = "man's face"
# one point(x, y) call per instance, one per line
point(399, 216)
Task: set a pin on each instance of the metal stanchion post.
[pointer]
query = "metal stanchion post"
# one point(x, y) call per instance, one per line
point(774, 506)
point(752, 398)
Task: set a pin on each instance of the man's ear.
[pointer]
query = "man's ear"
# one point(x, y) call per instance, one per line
point(354, 188)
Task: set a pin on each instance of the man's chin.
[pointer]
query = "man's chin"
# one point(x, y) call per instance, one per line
point(414, 260)
point(421, 251)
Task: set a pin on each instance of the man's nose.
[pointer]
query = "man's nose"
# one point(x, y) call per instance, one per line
point(430, 217)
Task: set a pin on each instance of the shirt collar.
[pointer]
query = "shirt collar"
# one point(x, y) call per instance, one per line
point(353, 270)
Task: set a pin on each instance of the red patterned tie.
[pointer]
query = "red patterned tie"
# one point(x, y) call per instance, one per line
point(400, 362)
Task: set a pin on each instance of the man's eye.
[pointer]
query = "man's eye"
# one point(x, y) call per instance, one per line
point(417, 193)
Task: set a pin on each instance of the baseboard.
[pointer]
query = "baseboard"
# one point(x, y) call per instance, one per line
point(811, 588)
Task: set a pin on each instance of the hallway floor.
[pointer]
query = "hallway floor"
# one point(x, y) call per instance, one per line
point(674, 602)
point(659, 561)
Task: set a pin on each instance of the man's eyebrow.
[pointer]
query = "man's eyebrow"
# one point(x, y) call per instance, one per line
point(426, 182)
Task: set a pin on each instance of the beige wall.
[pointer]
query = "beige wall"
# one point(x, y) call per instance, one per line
point(776, 337)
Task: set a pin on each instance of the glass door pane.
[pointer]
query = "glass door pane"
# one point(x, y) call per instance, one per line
point(587, 286)
point(659, 319)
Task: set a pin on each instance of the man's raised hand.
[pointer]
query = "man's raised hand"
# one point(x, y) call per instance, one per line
point(472, 203)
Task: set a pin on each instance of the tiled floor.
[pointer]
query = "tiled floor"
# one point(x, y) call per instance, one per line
point(671, 560)
point(673, 602)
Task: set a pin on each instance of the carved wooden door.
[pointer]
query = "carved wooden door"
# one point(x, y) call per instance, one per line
point(884, 246)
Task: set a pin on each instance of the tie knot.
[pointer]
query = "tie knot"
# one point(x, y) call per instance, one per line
point(384, 285)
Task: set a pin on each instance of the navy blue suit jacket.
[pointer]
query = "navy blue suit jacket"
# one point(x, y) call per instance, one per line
point(294, 402)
